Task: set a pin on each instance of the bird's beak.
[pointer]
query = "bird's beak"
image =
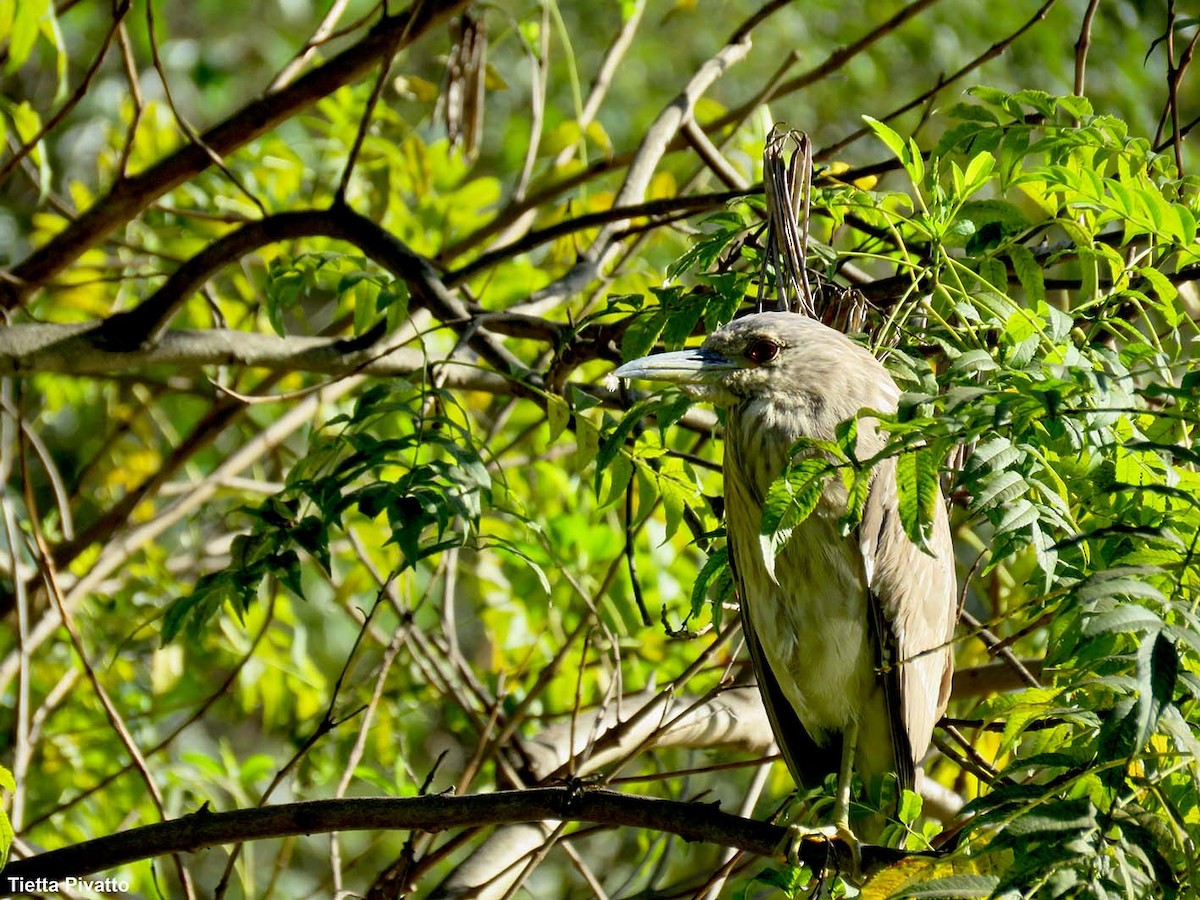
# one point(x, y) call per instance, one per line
point(698, 366)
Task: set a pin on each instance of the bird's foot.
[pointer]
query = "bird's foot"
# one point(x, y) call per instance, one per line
point(789, 847)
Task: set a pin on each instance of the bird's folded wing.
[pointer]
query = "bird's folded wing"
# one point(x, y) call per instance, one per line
point(808, 761)
point(914, 605)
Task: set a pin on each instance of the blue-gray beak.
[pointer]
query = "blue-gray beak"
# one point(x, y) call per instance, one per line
point(698, 366)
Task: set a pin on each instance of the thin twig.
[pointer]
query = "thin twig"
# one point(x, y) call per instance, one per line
point(629, 553)
point(192, 135)
point(1082, 46)
point(131, 195)
point(321, 33)
point(119, 12)
point(327, 724)
point(991, 53)
point(41, 552)
point(539, 71)
point(604, 77)
point(129, 62)
point(364, 122)
point(219, 693)
point(836, 60)
point(653, 146)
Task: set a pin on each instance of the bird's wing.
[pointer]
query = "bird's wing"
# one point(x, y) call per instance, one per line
point(914, 606)
point(808, 761)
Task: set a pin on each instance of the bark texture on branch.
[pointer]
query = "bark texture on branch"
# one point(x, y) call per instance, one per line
point(691, 821)
point(74, 350)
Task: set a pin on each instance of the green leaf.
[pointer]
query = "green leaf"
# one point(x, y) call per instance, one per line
point(894, 142)
point(919, 493)
point(705, 251)
point(673, 403)
point(716, 565)
point(615, 439)
point(994, 275)
point(1029, 273)
point(1018, 516)
point(951, 887)
point(644, 329)
point(1041, 101)
point(907, 152)
point(1063, 816)
point(6, 830)
point(676, 489)
point(286, 567)
point(970, 112)
point(196, 608)
point(995, 454)
point(558, 415)
point(1123, 619)
point(533, 565)
point(26, 24)
point(682, 315)
point(978, 171)
point(1159, 283)
point(620, 472)
point(790, 500)
point(977, 360)
point(1157, 674)
point(1124, 581)
point(1009, 217)
point(999, 488)
point(587, 441)
point(1187, 225)
point(909, 808)
point(915, 163)
point(858, 489)
point(1074, 106)
point(730, 288)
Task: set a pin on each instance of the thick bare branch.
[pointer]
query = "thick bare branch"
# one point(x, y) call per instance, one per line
point(72, 350)
point(691, 821)
point(149, 319)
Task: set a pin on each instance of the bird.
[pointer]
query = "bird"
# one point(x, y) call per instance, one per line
point(849, 633)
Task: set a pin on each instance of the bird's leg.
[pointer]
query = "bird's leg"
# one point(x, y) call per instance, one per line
point(841, 809)
point(839, 828)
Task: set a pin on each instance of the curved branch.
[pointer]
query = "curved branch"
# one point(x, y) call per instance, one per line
point(129, 196)
point(691, 821)
point(147, 322)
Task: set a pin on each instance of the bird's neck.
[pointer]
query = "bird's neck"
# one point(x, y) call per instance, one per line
point(760, 432)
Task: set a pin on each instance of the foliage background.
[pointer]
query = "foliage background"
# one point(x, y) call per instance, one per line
point(418, 564)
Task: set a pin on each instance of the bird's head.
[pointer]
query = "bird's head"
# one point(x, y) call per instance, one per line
point(778, 357)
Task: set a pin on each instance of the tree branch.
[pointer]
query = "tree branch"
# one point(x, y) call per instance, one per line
point(72, 350)
point(691, 821)
point(129, 196)
point(126, 331)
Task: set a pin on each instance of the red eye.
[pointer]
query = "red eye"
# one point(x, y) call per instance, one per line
point(762, 351)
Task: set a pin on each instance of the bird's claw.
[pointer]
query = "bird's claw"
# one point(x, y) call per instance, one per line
point(789, 847)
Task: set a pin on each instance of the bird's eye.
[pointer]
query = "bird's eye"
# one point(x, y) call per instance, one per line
point(762, 351)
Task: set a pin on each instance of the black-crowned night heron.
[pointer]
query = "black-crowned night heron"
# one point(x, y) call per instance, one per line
point(849, 634)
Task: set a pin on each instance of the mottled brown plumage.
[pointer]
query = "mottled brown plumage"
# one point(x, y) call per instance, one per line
point(849, 634)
